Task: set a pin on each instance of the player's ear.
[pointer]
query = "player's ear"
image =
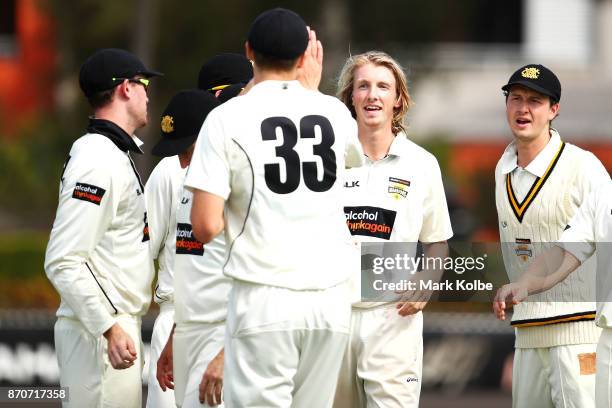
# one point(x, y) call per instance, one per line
point(122, 90)
point(300, 61)
point(248, 51)
point(554, 110)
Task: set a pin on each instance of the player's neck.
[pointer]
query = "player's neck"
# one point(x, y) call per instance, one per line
point(376, 142)
point(272, 75)
point(118, 116)
point(528, 149)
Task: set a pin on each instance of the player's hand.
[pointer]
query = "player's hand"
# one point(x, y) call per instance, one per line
point(413, 302)
point(211, 386)
point(510, 294)
point(165, 376)
point(121, 350)
point(309, 73)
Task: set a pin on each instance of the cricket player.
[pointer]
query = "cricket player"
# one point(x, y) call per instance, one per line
point(588, 233)
point(540, 183)
point(98, 253)
point(164, 190)
point(197, 285)
point(399, 193)
point(274, 161)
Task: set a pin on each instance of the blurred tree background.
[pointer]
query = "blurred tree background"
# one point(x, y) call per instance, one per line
point(176, 38)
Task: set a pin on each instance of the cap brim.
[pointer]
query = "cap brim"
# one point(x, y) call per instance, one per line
point(230, 92)
point(530, 85)
point(171, 147)
point(150, 74)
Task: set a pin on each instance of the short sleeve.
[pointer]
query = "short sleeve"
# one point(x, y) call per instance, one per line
point(436, 220)
point(210, 169)
point(353, 153)
point(579, 235)
point(590, 175)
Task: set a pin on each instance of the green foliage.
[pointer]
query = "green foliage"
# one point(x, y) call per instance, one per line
point(30, 167)
point(22, 255)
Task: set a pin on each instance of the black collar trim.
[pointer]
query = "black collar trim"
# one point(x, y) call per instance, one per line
point(520, 208)
point(117, 135)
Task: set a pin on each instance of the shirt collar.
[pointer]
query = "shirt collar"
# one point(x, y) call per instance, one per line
point(269, 84)
point(538, 166)
point(117, 135)
point(398, 145)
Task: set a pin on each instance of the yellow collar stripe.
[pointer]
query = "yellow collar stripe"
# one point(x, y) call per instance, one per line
point(519, 209)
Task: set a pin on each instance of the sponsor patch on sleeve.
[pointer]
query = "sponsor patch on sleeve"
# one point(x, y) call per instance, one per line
point(88, 192)
point(186, 242)
point(370, 221)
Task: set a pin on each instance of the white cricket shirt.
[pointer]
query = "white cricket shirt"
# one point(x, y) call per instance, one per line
point(201, 288)
point(588, 233)
point(534, 204)
point(98, 256)
point(162, 193)
point(398, 198)
point(277, 156)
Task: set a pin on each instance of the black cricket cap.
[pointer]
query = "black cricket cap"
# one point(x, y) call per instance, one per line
point(182, 119)
point(279, 33)
point(536, 77)
point(228, 93)
point(98, 71)
point(224, 69)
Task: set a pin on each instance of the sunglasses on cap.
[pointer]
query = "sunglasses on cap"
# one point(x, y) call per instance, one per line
point(141, 81)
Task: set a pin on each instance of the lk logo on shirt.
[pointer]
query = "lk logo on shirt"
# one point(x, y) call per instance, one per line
point(370, 221)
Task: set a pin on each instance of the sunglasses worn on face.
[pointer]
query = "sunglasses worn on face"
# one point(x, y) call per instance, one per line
point(141, 81)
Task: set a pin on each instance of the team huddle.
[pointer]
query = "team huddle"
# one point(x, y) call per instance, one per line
point(258, 264)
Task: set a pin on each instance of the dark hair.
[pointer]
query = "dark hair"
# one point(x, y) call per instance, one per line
point(273, 63)
point(100, 99)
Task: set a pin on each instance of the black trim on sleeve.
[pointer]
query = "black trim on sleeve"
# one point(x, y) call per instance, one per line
point(229, 252)
point(100, 286)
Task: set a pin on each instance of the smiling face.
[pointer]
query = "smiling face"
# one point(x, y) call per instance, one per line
point(374, 96)
point(529, 113)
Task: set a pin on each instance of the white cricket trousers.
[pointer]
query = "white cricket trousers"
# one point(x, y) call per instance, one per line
point(195, 345)
point(283, 348)
point(86, 371)
point(383, 361)
point(156, 398)
point(560, 377)
point(603, 386)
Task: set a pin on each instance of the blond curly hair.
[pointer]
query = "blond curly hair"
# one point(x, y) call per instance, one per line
point(346, 79)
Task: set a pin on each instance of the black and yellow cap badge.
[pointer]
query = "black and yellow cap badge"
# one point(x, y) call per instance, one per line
point(167, 124)
point(538, 78)
point(530, 72)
